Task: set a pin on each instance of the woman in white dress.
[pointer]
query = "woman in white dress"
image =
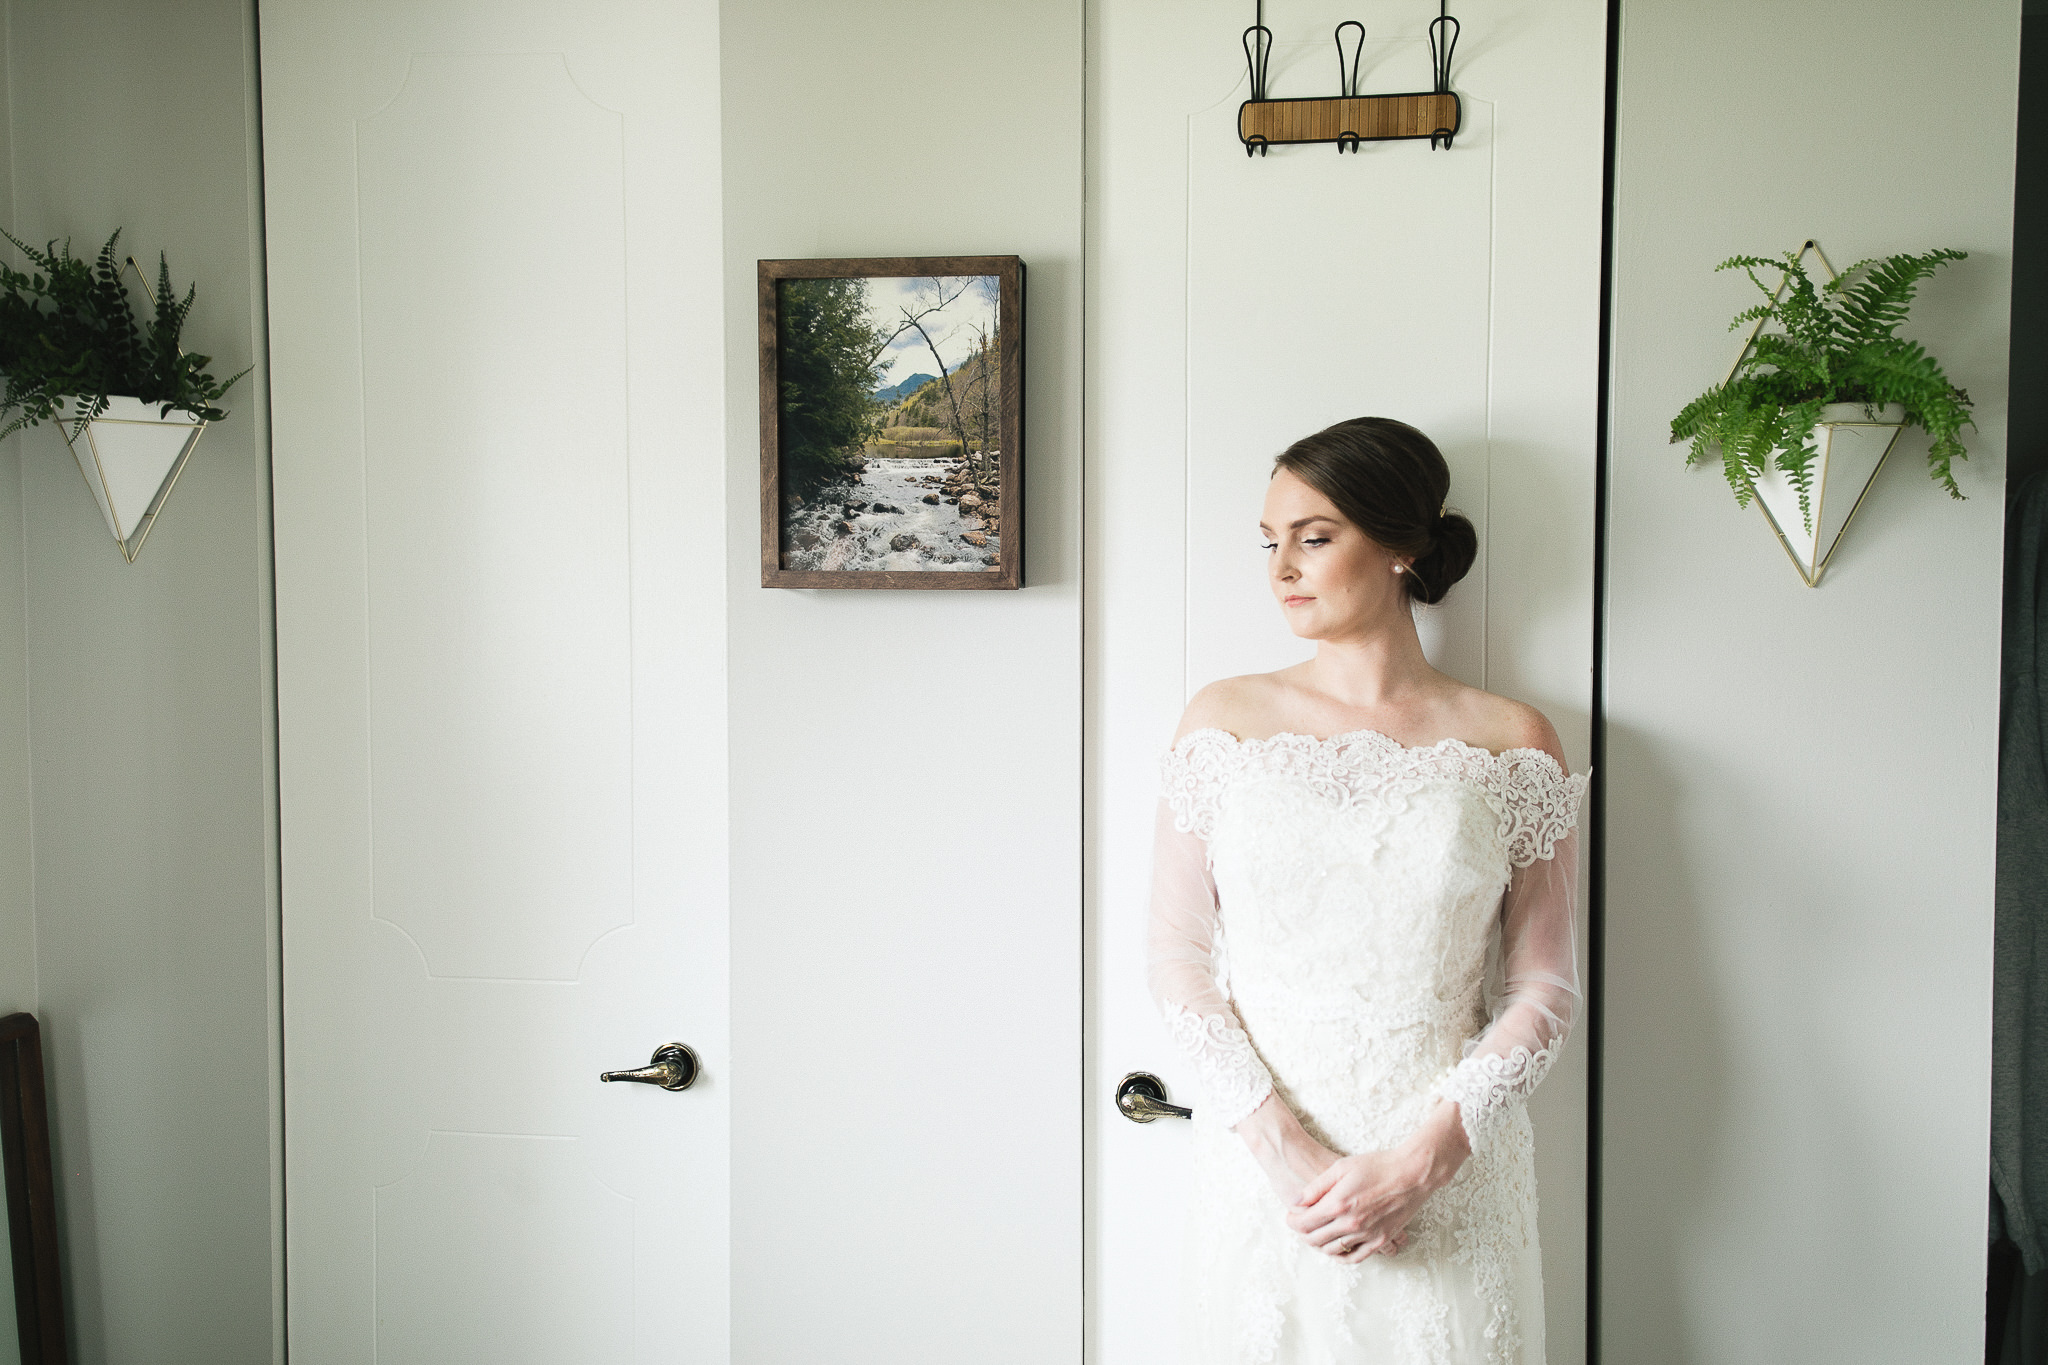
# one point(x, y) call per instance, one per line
point(1362, 931)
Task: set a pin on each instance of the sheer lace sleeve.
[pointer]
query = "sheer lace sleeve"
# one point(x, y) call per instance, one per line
point(1540, 987)
point(1183, 969)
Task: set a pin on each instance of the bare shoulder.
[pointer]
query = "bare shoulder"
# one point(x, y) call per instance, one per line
point(1502, 723)
point(1237, 706)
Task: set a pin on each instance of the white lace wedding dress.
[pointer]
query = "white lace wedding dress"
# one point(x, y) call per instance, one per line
point(1362, 926)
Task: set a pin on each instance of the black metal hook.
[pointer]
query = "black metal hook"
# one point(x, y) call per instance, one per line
point(1444, 28)
point(1257, 51)
point(1347, 83)
point(1443, 41)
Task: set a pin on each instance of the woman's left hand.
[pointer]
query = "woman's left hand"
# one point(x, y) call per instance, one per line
point(1361, 1205)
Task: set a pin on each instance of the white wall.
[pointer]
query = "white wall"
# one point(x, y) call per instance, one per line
point(906, 839)
point(1799, 893)
point(149, 710)
point(1801, 781)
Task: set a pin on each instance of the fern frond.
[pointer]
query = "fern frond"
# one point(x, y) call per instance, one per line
point(1874, 307)
point(1692, 417)
point(1788, 354)
point(1847, 275)
point(1739, 480)
point(1751, 263)
point(1796, 463)
point(89, 410)
point(1752, 314)
point(1797, 452)
point(45, 260)
point(1894, 370)
point(1940, 453)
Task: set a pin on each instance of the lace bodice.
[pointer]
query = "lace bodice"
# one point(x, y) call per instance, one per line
point(1361, 927)
point(1343, 895)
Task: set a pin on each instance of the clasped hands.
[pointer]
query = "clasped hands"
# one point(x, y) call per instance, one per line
point(1352, 1207)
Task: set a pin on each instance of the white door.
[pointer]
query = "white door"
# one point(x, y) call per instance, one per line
point(493, 249)
point(1240, 303)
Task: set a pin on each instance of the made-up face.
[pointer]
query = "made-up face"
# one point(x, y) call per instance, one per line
point(1332, 581)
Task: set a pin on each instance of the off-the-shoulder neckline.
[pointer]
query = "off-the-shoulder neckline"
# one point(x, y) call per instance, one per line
point(1448, 744)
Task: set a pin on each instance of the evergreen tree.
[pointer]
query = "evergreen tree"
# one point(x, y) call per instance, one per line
point(829, 370)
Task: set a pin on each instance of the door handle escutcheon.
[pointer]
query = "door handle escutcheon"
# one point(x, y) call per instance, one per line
point(673, 1067)
point(1142, 1098)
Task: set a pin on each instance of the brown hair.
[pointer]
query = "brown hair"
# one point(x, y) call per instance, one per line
point(1391, 482)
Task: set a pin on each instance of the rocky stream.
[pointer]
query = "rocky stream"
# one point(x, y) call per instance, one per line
point(899, 514)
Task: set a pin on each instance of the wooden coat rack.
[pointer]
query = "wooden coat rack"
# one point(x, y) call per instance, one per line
point(1349, 118)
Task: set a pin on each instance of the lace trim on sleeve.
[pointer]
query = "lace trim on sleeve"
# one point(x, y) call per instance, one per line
point(1486, 1088)
point(1192, 777)
point(1541, 801)
point(1234, 1080)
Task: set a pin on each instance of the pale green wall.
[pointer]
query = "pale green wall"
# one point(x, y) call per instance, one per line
point(17, 912)
point(17, 901)
point(17, 892)
point(1801, 781)
point(149, 709)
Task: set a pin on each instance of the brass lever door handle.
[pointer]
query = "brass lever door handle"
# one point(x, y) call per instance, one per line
point(1142, 1098)
point(673, 1067)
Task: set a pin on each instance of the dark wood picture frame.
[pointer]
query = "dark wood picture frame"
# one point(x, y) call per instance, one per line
point(31, 1192)
point(1009, 570)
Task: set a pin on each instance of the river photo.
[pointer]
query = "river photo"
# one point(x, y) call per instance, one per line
point(890, 425)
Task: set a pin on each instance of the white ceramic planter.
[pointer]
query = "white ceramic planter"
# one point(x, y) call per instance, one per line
point(1853, 442)
point(131, 458)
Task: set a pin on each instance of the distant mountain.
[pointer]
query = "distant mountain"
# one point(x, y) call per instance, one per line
point(896, 393)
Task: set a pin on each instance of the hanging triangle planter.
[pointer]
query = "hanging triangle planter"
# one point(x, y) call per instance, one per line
point(131, 459)
point(1852, 442)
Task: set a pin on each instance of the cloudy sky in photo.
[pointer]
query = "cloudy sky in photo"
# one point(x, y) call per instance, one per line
point(953, 328)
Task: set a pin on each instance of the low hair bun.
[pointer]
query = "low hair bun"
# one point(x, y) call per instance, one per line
point(1448, 559)
point(1391, 482)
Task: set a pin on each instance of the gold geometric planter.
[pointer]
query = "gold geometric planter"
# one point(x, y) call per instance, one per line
point(1853, 443)
point(131, 459)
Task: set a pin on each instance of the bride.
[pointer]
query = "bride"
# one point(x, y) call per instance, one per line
point(1362, 931)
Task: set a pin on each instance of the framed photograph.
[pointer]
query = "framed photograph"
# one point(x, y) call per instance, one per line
point(892, 423)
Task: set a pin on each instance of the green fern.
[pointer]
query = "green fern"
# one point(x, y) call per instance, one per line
point(1831, 343)
point(69, 331)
